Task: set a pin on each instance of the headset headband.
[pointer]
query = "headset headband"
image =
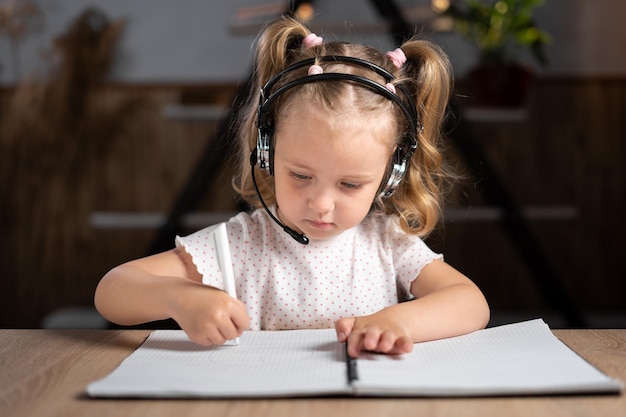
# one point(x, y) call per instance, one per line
point(409, 111)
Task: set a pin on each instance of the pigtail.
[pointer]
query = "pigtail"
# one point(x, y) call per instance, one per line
point(427, 74)
point(278, 46)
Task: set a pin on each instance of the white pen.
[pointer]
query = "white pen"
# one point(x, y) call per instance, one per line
point(223, 255)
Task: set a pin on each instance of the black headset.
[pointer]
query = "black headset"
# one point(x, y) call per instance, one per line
point(263, 154)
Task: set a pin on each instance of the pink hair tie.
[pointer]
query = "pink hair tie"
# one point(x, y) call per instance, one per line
point(397, 57)
point(312, 40)
point(315, 70)
point(391, 87)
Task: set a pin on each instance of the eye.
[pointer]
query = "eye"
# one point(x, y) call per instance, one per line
point(351, 186)
point(299, 177)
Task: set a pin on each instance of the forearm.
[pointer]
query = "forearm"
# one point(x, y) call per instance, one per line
point(129, 295)
point(450, 311)
point(133, 293)
point(446, 304)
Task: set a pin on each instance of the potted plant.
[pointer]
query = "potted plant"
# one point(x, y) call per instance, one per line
point(500, 29)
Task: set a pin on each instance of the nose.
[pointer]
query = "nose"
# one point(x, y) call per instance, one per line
point(322, 200)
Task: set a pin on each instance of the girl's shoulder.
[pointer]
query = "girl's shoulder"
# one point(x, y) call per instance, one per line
point(408, 250)
point(246, 232)
point(243, 223)
point(256, 222)
point(381, 224)
point(386, 229)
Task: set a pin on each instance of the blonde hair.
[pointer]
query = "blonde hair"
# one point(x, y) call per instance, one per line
point(426, 75)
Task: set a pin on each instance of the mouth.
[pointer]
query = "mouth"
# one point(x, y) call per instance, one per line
point(316, 224)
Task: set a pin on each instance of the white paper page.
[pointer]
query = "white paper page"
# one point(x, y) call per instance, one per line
point(517, 359)
point(264, 364)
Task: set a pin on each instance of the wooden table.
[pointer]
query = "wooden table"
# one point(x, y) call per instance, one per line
point(45, 372)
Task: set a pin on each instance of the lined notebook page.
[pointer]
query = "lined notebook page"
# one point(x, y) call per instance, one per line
point(518, 359)
point(521, 358)
point(264, 364)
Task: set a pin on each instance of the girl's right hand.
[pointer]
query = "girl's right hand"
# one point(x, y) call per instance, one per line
point(207, 314)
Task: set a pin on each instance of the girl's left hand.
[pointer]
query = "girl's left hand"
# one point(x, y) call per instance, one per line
point(374, 333)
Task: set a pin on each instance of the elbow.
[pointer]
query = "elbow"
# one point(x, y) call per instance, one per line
point(485, 316)
point(98, 303)
point(103, 298)
point(482, 311)
point(474, 309)
point(99, 298)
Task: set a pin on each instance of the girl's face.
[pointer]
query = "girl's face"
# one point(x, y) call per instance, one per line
point(326, 177)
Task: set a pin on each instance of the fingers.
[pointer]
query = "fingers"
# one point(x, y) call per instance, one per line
point(239, 321)
point(344, 327)
point(402, 345)
point(216, 322)
point(230, 323)
point(240, 318)
point(376, 340)
point(215, 333)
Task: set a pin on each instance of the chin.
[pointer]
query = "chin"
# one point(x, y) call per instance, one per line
point(322, 235)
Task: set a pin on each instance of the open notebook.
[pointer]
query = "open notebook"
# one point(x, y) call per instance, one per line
point(516, 359)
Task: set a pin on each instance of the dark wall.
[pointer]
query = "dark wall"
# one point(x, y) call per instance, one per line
point(567, 151)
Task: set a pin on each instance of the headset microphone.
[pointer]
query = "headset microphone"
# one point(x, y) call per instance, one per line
point(298, 237)
point(264, 150)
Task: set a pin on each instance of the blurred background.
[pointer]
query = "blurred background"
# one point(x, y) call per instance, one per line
point(115, 133)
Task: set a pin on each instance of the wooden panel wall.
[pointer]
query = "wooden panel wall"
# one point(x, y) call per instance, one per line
point(568, 151)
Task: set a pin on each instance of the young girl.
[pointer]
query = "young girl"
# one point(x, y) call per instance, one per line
point(340, 155)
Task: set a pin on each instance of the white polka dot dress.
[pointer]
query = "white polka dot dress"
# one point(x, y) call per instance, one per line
point(287, 285)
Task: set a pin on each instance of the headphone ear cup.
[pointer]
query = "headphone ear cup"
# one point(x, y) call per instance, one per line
point(395, 178)
point(264, 151)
